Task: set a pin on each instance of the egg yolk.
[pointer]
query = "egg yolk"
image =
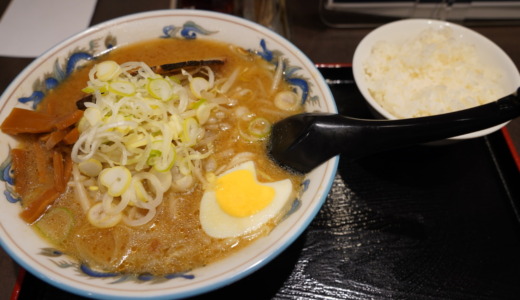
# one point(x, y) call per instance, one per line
point(239, 194)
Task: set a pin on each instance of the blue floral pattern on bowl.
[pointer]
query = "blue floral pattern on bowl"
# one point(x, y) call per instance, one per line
point(189, 30)
point(62, 261)
point(8, 177)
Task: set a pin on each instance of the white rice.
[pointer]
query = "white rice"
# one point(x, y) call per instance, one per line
point(433, 73)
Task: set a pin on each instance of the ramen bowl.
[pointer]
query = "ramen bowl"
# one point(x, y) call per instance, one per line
point(39, 257)
point(449, 63)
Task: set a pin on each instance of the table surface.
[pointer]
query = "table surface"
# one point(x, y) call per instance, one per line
point(321, 43)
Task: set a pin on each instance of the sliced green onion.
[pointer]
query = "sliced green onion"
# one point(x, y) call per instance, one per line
point(140, 191)
point(56, 224)
point(165, 161)
point(162, 156)
point(198, 85)
point(190, 131)
point(107, 70)
point(116, 180)
point(175, 79)
point(103, 89)
point(175, 126)
point(287, 100)
point(160, 88)
point(259, 127)
point(92, 115)
point(99, 218)
point(88, 90)
point(122, 88)
point(153, 157)
point(185, 166)
point(204, 112)
point(196, 105)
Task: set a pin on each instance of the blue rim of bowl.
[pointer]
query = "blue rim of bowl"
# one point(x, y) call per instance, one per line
point(331, 170)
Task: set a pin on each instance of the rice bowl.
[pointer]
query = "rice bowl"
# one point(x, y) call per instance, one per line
point(419, 67)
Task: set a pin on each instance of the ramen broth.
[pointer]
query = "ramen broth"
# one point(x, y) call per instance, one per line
point(173, 241)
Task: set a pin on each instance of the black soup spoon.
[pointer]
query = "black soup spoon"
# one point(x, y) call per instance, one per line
point(302, 142)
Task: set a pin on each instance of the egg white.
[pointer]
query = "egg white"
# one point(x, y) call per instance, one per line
point(217, 223)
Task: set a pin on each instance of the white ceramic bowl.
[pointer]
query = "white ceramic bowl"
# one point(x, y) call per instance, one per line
point(409, 28)
point(32, 253)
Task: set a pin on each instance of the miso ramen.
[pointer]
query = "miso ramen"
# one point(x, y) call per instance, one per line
point(161, 171)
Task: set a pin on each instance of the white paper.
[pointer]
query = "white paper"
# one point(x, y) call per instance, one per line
point(30, 27)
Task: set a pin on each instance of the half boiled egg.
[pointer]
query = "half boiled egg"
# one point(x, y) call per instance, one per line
point(236, 203)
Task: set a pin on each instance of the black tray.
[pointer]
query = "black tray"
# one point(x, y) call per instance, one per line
point(426, 222)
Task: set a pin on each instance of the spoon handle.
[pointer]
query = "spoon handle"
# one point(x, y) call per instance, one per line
point(371, 136)
point(304, 141)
